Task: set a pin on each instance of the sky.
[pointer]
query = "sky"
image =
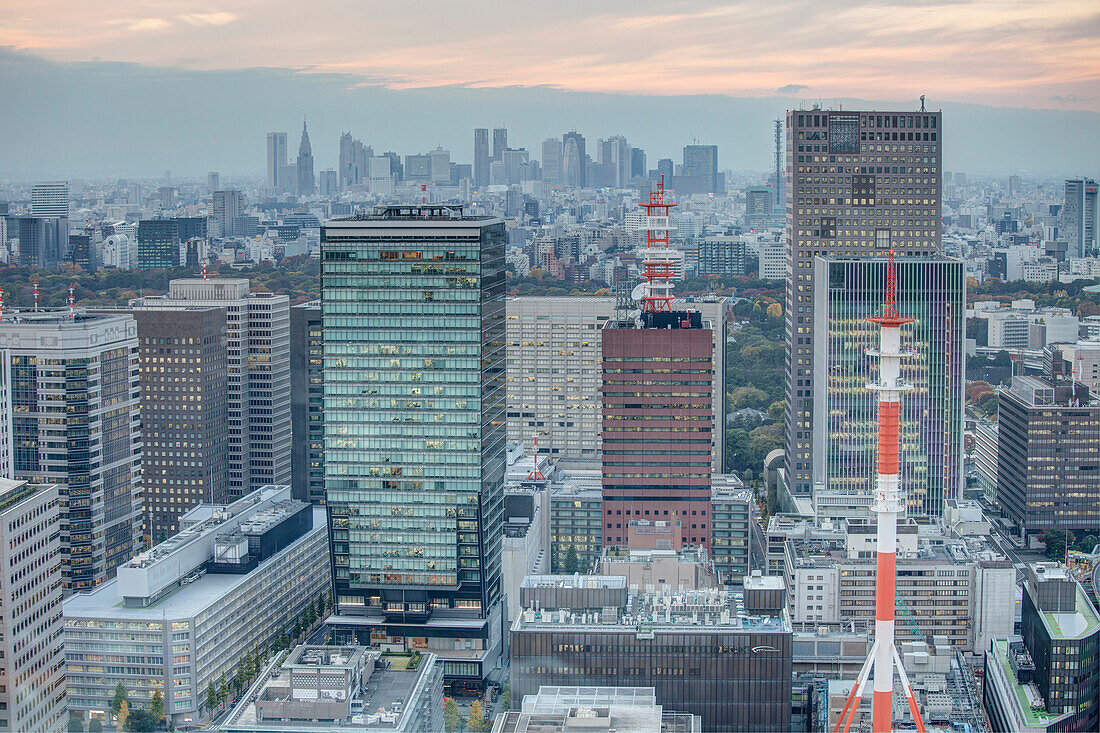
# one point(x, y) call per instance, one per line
point(524, 62)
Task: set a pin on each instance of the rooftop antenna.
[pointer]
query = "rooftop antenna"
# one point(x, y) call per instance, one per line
point(536, 474)
point(656, 292)
point(922, 103)
point(36, 293)
point(72, 313)
point(204, 270)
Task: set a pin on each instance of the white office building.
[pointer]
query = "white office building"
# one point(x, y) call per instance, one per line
point(50, 199)
point(181, 615)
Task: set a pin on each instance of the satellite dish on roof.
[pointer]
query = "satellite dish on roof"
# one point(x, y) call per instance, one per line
point(640, 291)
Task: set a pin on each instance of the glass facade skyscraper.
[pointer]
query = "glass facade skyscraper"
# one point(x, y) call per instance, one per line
point(413, 313)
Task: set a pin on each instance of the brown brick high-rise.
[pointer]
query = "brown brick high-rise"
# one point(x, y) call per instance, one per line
point(658, 423)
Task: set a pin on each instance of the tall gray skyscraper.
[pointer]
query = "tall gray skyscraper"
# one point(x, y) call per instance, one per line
point(50, 199)
point(1080, 219)
point(846, 291)
point(481, 157)
point(500, 142)
point(258, 341)
point(307, 402)
point(414, 431)
point(858, 185)
point(353, 161)
point(76, 400)
point(307, 185)
point(276, 158)
point(701, 162)
point(574, 160)
point(551, 161)
point(228, 206)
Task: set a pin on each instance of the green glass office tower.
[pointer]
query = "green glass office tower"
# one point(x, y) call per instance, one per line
point(413, 319)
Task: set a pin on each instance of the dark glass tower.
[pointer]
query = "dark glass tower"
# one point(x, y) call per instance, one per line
point(413, 319)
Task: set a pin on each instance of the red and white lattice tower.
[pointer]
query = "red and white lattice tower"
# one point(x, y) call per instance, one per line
point(887, 506)
point(536, 474)
point(656, 262)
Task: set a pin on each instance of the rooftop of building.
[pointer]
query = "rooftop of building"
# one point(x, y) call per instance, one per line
point(660, 610)
point(185, 601)
point(320, 656)
point(1028, 701)
point(392, 684)
point(1034, 391)
point(412, 213)
point(619, 709)
point(13, 492)
point(58, 318)
point(1080, 623)
point(573, 581)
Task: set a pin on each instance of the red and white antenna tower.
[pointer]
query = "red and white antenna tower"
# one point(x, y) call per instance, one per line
point(72, 313)
point(656, 292)
point(204, 270)
point(887, 506)
point(536, 474)
point(1, 304)
point(35, 293)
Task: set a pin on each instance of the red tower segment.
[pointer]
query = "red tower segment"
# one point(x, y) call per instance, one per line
point(656, 266)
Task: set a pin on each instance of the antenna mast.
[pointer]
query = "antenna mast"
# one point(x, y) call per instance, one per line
point(656, 294)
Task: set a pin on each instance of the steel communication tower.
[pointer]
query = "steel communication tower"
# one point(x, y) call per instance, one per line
point(656, 292)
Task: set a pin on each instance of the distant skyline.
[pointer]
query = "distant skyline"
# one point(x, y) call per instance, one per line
point(103, 119)
point(1015, 53)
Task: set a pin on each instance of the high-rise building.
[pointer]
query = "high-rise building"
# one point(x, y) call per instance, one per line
point(307, 185)
point(658, 424)
point(440, 161)
point(327, 184)
point(1048, 680)
point(637, 163)
point(50, 199)
point(228, 206)
point(158, 243)
point(7, 445)
point(574, 161)
point(481, 157)
point(844, 198)
point(701, 162)
point(184, 412)
point(1048, 456)
point(931, 291)
point(551, 161)
point(213, 181)
point(500, 142)
point(353, 161)
point(722, 255)
point(42, 240)
point(415, 431)
point(76, 399)
point(1080, 218)
point(276, 158)
point(258, 341)
point(307, 418)
point(33, 660)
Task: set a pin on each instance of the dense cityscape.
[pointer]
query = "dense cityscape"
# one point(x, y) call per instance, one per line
point(566, 439)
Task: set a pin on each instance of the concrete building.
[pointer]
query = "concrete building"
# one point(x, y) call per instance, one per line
point(1048, 456)
point(32, 663)
point(50, 199)
point(7, 440)
point(722, 255)
point(306, 402)
point(1081, 218)
point(276, 158)
point(985, 458)
point(321, 688)
point(702, 651)
point(576, 521)
point(187, 611)
point(1048, 680)
point(620, 709)
point(1080, 362)
point(481, 157)
point(841, 188)
point(958, 592)
point(658, 423)
point(553, 357)
point(76, 400)
point(701, 164)
point(415, 432)
point(42, 240)
point(733, 511)
point(773, 261)
point(846, 291)
point(258, 340)
point(228, 208)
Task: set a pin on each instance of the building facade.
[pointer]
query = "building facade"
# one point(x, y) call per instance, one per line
point(845, 418)
point(276, 158)
point(858, 185)
point(158, 243)
point(732, 515)
point(76, 400)
point(50, 199)
point(184, 413)
point(258, 341)
point(306, 402)
point(187, 611)
point(1048, 456)
point(32, 661)
point(413, 318)
point(722, 256)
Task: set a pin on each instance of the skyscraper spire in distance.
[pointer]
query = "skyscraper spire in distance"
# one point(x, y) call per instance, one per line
point(306, 181)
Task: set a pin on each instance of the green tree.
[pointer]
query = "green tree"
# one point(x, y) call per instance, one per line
point(95, 726)
point(1055, 540)
point(118, 699)
point(223, 688)
point(123, 714)
point(140, 721)
point(450, 714)
point(572, 561)
point(75, 725)
point(156, 706)
point(476, 719)
point(211, 696)
point(1087, 542)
